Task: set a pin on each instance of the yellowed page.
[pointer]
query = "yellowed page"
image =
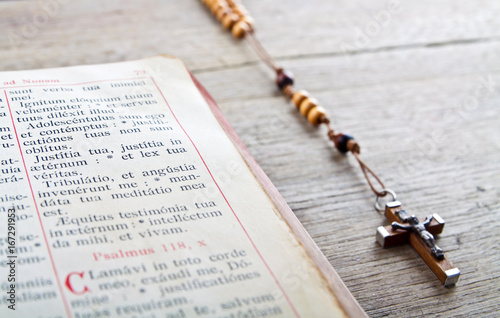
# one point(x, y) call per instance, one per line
point(127, 199)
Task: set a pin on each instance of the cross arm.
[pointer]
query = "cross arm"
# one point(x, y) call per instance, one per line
point(387, 236)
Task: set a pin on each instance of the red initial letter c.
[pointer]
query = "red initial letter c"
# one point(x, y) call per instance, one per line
point(68, 284)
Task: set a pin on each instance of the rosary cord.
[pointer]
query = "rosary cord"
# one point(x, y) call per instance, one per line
point(235, 17)
point(366, 170)
point(255, 44)
point(287, 90)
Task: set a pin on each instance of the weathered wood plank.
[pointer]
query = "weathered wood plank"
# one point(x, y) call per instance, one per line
point(114, 30)
point(406, 94)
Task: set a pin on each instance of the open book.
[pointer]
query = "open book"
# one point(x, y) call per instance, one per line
point(125, 193)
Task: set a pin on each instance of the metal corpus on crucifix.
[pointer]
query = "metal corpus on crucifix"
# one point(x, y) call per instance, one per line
point(420, 234)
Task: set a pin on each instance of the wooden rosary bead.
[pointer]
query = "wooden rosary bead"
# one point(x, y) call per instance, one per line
point(316, 115)
point(233, 4)
point(299, 96)
point(283, 78)
point(217, 6)
point(210, 3)
point(217, 2)
point(229, 20)
point(308, 104)
point(241, 28)
point(221, 13)
point(248, 20)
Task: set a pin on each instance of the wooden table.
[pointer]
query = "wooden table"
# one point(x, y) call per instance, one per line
point(417, 83)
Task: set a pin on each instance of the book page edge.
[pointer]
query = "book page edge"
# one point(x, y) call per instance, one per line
point(349, 304)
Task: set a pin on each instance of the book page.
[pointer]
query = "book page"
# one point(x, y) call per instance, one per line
point(122, 196)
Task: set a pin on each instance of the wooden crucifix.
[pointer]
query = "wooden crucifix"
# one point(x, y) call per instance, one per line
point(420, 234)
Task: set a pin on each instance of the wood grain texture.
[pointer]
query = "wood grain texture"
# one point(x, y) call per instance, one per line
point(349, 305)
point(421, 96)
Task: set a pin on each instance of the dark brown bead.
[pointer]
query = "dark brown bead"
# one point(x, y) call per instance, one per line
point(284, 78)
point(345, 143)
point(341, 141)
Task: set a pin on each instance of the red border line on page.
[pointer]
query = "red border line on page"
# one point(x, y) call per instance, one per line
point(82, 83)
point(37, 211)
point(199, 154)
point(229, 205)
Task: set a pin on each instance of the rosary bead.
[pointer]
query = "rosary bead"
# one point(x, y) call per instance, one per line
point(229, 20)
point(221, 13)
point(241, 28)
point(299, 96)
point(233, 4)
point(216, 6)
point(353, 146)
point(316, 115)
point(248, 19)
point(288, 91)
point(216, 2)
point(284, 78)
point(341, 142)
point(308, 104)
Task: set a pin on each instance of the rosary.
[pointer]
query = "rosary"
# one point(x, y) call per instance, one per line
point(404, 227)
